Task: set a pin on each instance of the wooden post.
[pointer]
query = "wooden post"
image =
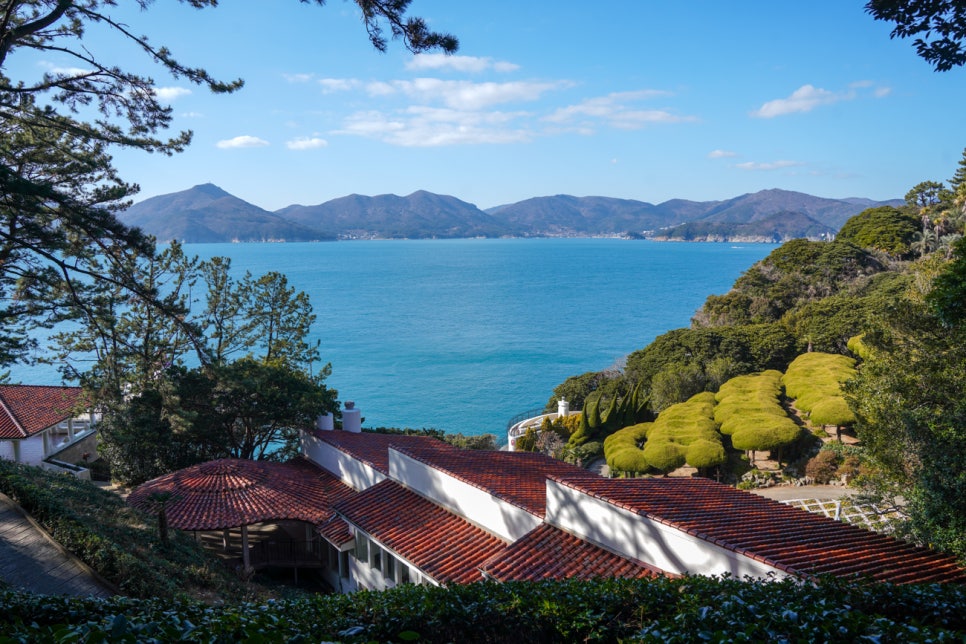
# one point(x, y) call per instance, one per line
point(225, 539)
point(246, 560)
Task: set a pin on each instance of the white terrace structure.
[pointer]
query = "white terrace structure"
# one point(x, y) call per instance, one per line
point(39, 425)
point(392, 509)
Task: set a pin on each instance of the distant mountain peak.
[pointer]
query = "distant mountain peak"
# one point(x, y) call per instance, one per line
point(207, 213)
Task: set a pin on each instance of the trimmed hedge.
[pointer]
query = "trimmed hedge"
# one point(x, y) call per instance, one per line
point(815, 380)
point(622, 449)
point(686, 609)
point(749, 410)
point(685, 433)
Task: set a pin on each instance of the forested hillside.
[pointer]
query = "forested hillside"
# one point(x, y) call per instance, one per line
point(883, 302)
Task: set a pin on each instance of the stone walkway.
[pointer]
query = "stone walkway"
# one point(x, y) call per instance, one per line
point(30, 560)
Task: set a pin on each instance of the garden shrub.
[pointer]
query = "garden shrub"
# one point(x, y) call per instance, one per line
point(823, 467)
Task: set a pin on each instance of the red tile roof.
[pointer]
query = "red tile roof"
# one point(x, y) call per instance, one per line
point(373, 448)
point(787, 538)
point(28, 409)
point(230, 492)
point(441, 544)
point(519, 478)
point(550, 553)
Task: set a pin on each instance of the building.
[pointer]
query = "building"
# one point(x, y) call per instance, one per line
point(409, 509)
point(40, 425)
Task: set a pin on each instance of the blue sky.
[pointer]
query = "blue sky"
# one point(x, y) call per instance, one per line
point(633, 99)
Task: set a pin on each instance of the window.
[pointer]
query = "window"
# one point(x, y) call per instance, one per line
point(375, 557)
point(403, 574)
point(344, 564)
point(390, 570)
point(362, 547)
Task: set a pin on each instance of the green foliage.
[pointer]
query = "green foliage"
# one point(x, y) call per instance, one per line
point(622, 449)
point(910, 401)
point(661, 610)
point(117, 541)
point(947, 298)
point(815, 380)
point(795, 273)
point(683, 432)
point(828, 324)
point(939, 28)
point(620, 412)
point(718, 353)
point(576, 389)
point(885, 228)
point(749, 410)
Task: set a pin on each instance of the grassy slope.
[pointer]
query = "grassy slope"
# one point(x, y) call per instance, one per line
point(120, 543)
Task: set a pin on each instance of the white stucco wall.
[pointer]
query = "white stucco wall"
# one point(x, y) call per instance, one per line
point(641, 538)
point(7, 450)
point(495, 515)
point(354, 473)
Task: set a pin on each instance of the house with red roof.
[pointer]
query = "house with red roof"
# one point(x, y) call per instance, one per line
point(394, 509)
point(427, 512)
point(38, 423)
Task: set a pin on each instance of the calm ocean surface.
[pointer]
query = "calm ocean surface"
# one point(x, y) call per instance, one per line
point(461, 335)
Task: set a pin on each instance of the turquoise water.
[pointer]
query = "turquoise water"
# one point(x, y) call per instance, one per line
point(461, 335)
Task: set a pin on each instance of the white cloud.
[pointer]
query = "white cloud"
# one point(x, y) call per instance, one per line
point(804, 99)
point(312, 143)
point(882, 92)
point(171, 93)
point(721, 154)
point(466, 95)
point(332, 85)
point(433, 127)
point(298, 78)
point(616, 110)
point(57, 70)
point(764, 167)
point(466, 64)
point(192, 115)
point(244, 141)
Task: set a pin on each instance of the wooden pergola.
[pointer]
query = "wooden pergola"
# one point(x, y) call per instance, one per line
point(235, 493)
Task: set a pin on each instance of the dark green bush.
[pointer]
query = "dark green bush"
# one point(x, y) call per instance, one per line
point(685, 609)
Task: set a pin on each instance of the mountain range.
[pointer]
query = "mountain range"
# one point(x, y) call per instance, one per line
point(206, 213)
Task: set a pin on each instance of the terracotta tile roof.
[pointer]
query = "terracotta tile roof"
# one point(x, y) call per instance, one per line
point(788, 538)
point(550, 553)
point(441, 544)
point(28, 409)
point(229, 493)
point(519, 478)
point(373, 448)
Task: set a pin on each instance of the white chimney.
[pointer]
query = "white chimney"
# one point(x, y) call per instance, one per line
point(351, 418)
point(325, 422)
point(563, 408)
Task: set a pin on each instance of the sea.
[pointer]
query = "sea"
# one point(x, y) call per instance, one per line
point(462, 335)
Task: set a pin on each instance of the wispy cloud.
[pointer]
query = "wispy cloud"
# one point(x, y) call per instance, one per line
point(721, 154)
point(306, 143)
point(298, 78)
point(332, 85)
point(59, 70)
point(768, 166)
point(466, 95)
point(804, 99)
point(431, 127)
point(171, 93)
point(618, 110)
point(244, 141)
point(465, 64)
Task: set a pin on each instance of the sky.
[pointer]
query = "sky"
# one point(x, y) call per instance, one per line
point(636, 99)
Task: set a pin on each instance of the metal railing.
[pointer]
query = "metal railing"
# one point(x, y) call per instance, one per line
point(527, 414)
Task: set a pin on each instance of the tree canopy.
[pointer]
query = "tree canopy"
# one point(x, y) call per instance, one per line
point(938, 26)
